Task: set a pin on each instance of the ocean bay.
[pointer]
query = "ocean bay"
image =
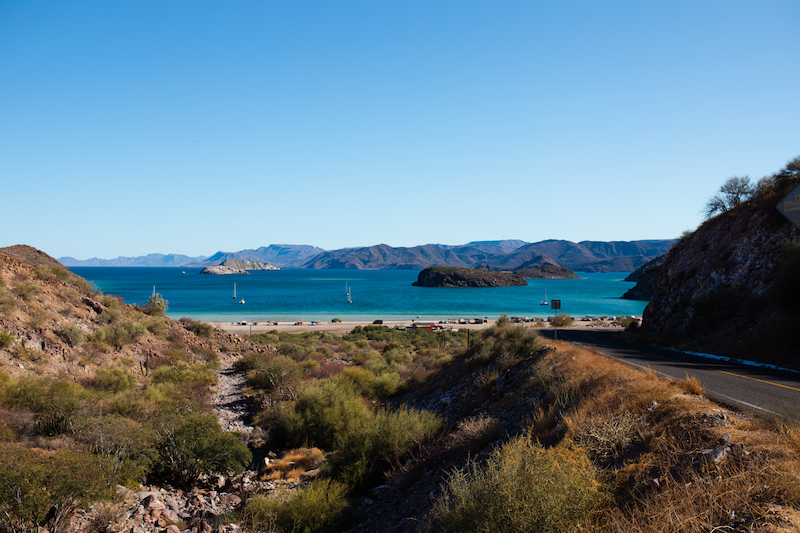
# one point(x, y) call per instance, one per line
point(307, 294)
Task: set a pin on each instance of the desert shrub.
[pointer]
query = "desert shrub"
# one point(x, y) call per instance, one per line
point(156, 325)
point(296, 351)
point(563, 320)
point(52, 272)
point(128, 446)
point(367, 383)
point(201, 329)
point(503, 321)
point(380, 441)
point(156, 305)
point(25, 290)
point(334, 320)
point(6, 339)
point(57, 405)
point(316, 508)
point(40, 491)
point(521, 487)
point(129, 403)
point(184, 373)
point(114, 379)
point(110, 315)
point(274, 373)
point(505, 344)
point(72, 334)
point(192, 444)
point(322, 413)
point(119, 334)
point(607, 439)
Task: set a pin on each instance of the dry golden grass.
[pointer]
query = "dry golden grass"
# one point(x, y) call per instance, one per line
point(654, 440)
point(294, 464)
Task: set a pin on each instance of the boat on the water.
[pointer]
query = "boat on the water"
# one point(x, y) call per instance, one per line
point(544, 302)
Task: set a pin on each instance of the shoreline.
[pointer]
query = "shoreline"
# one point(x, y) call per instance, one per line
point(342, 328)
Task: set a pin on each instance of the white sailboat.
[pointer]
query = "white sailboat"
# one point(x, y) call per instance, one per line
point(544, 302)
point(348, 293)
point(234, 291)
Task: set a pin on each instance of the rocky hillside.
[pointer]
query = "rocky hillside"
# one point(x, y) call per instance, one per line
point(732, 286)
point(446, 276)
point(50, 319)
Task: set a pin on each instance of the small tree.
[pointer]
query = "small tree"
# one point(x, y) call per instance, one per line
point(732, 193)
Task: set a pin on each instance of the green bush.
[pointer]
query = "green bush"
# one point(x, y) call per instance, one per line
point(563, 320)
point(25, 290)
point(365, 440)
point(368, 449)
point(156, 325)
point(521, 487)
point(52, 272)
point(334, 320)
point(127, 445)
point(201, 329)
point(58, 405)
point(114, 379)
point(119, 334)
point(184, 373)
point(274, 373)
point(41, 491)
point(316, 508)
point(192, 444)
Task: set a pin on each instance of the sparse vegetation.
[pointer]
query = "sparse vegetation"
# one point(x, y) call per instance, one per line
point(156, 305)
point(522, 487)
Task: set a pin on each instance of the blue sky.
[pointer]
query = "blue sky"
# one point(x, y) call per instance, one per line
point(135, 127)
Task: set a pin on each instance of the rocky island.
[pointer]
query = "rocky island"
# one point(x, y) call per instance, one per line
point(237, 266)
point(445, 276)
point(542, 267)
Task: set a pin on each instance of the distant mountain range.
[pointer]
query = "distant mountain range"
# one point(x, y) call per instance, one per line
point(151, 260)
point(585, 256)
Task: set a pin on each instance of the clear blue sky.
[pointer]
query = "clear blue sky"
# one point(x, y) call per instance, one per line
point(134, 127)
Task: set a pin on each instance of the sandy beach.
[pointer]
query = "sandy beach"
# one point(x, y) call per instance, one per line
point(342, 328)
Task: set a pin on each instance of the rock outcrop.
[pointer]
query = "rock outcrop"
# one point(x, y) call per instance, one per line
point(222, 270)
point(442, 276)
point(717, 288)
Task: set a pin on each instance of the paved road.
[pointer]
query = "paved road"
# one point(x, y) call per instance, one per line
point(759, 390)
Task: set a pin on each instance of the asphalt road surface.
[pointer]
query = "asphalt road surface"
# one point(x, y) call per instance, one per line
point(761, 391)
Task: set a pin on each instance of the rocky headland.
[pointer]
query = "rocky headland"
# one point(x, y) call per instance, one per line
point(645, 277)
point(443, 276)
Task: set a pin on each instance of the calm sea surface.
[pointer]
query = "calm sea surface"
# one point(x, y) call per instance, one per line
point(291, 295)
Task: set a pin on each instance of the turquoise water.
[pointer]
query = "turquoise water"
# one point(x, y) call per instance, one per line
point(292, 295)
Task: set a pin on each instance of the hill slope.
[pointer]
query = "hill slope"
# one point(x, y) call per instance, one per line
point(732, 287)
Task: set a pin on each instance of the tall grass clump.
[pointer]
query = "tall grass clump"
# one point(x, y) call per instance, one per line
point(522, 487)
